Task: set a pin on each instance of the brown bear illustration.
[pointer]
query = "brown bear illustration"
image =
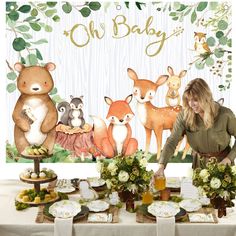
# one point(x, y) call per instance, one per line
point(35, 115)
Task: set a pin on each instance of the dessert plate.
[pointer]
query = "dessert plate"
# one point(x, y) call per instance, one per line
point(65, 209)
point(65, 189)
point(163, 209)
point(96, 182)
point(81, 215)
point(98, 205)
point(190, 205)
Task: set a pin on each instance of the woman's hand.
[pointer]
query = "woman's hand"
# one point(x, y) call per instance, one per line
point(159, 172)
point(225, 161)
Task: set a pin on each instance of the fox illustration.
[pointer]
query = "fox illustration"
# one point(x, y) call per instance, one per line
point(116, 139)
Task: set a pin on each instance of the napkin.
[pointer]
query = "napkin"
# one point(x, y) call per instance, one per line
point(63, 227)
point(165, 226)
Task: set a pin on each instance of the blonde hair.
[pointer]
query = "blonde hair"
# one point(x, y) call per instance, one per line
point(199, 90)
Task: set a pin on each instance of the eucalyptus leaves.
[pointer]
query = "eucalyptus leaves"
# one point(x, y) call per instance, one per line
point(84, 8)
point(27, 19)
point(24, 20)
point(209, 15)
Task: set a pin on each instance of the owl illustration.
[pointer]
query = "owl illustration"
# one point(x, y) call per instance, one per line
point(200, 44)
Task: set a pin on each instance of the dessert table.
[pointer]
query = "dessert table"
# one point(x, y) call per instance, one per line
point(22, 223)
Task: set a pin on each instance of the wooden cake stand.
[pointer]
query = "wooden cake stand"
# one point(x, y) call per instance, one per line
point(38, 181)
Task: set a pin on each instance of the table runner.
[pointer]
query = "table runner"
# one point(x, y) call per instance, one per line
point(41, 218)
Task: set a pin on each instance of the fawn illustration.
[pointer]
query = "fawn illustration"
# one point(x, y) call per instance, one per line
point(153, 118)
point(116, 139)
point(174, 83)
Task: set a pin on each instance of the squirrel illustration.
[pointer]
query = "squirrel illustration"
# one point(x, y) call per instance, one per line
point(116, 139)
point(72, 112)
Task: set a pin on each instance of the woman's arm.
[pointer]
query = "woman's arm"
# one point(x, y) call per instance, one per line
point(231, 129)
point(171, 143)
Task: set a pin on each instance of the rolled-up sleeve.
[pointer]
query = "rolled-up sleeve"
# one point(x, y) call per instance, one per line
point(173, 140)
point(231, 129)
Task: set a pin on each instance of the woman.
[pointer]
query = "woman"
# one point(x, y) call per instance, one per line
point(207, 125)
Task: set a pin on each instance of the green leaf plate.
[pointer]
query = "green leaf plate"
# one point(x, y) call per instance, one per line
point(144, 210)
point(81, 215)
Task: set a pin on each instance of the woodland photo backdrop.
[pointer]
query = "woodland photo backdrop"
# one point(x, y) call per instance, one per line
point(96, 46)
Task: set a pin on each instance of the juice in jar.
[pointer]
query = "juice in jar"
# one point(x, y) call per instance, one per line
point(147, 197)
point(160, 183)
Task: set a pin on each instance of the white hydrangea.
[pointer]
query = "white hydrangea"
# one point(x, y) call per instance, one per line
point(201, 191)
point(233, 170)
point(123, 176)
point(215, 183)
point(143, 162)
point(205, 179)
point(112, 167)
point(204, 174)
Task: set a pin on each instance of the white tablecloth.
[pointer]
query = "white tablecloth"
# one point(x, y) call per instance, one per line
point(22, 223)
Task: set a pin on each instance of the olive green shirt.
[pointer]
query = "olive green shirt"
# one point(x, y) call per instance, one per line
point(212, 140)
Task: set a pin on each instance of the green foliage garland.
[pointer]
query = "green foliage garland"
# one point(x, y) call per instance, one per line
point(219, 60)
point(21, 20)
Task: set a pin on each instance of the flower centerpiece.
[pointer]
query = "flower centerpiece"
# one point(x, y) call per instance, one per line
point(216, 180)
point(125, 173)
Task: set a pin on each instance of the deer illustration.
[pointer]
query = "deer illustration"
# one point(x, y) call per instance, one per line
point(153, 118)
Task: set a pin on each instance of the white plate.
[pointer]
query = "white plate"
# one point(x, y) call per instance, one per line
point(65, 209)
point(163, 209)
point(65, 189)
point(96, 182)
point(172, 182)
point(98, 205)
point(190, 204)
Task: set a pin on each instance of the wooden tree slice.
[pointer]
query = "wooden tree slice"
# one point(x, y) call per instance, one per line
point(38, 180)
point(33, 157)
point(38, 204)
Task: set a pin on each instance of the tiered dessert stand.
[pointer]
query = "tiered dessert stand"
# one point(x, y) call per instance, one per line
point(37, 181)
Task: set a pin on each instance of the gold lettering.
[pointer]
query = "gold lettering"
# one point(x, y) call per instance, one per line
point(94, 31)
point(121, 29)
point(136, 29)
point(72, 35)
point(148, 24)
point(117, 23)
point(158, 43)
